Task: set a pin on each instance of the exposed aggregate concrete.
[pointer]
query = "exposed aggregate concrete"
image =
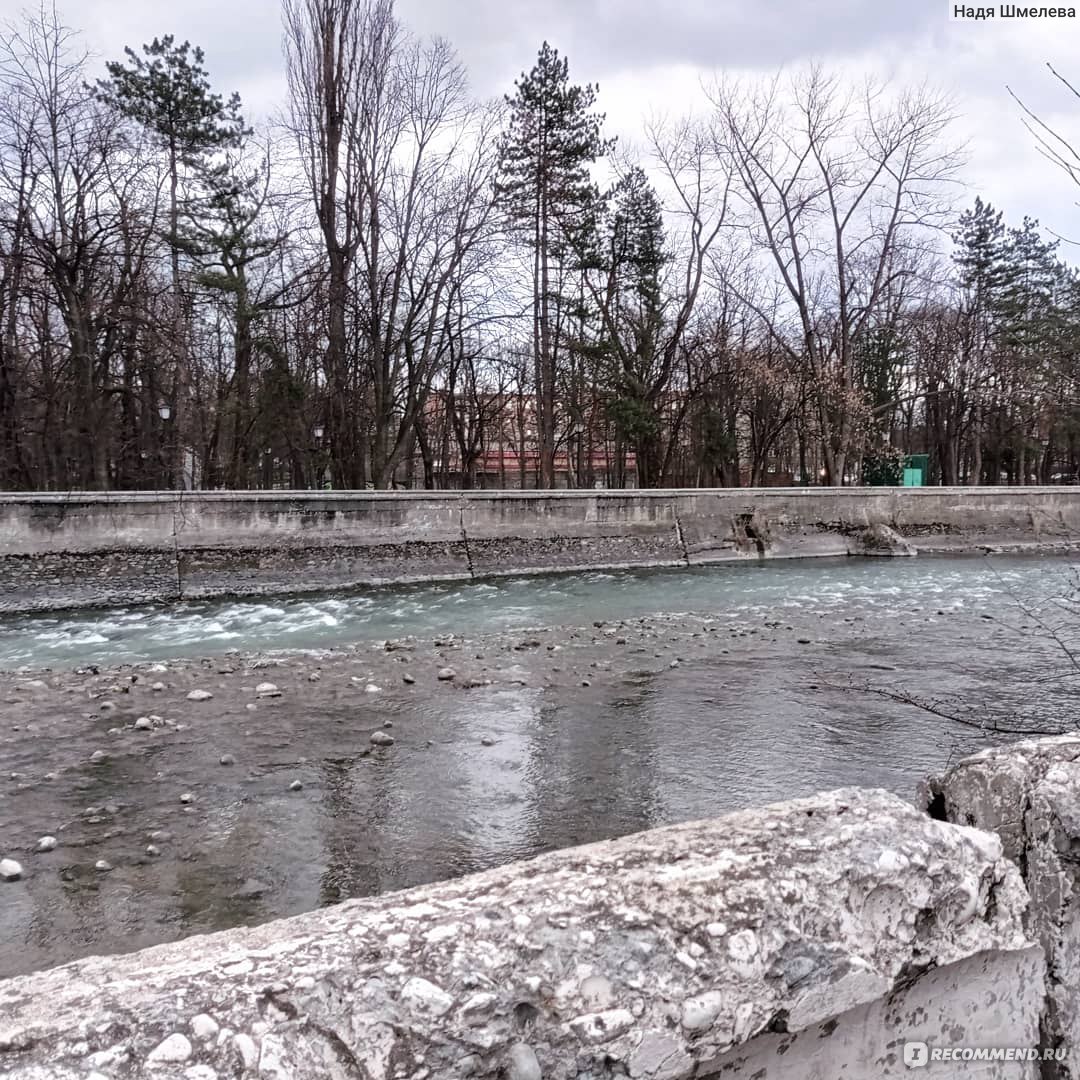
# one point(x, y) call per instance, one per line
point(1029, 794)
point(649, 956)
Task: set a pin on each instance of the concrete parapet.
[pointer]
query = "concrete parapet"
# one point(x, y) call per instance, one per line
point(1029, 794)
point(806, 939)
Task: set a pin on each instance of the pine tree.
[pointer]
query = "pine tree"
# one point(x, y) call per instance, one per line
point(637, 242)
point(981, 254)
point(1028, 301)
point(224, 236)
point(544, 185)
point(982, 258)
point(1030, 329)
point(634, 311)
point(1017, 292)
point(167, 92)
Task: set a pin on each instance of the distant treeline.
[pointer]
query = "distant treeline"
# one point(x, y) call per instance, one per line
point(393, 281)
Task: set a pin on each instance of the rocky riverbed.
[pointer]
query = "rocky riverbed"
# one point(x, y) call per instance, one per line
point(147, 802)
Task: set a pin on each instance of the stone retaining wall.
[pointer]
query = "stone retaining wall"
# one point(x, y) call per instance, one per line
point(74, 550)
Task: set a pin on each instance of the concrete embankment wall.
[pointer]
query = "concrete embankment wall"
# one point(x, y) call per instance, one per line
point(70, 550)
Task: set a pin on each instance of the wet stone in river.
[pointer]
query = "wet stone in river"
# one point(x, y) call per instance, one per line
point(10, 870)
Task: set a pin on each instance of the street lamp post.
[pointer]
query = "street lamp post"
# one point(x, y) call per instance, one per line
point(165, 413)
point(317, 434)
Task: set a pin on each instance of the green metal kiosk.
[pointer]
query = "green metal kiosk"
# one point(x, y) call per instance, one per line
point(916, 467)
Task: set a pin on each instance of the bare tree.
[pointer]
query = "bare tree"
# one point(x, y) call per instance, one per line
point(840, 189)
point(428, 164)
point(74, 226)
point(1054, 146)
point(332, 48)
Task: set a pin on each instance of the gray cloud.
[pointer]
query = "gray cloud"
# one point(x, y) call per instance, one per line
point(636, 48)
point(606, 36)
point(241, 38)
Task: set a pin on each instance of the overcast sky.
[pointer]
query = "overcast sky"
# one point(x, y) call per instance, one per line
point(653, 56)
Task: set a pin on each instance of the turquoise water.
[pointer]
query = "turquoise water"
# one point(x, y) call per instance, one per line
point(833, 587)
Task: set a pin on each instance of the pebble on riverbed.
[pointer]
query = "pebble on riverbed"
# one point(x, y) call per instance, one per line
point(226, 759)
point(46, 843)
point(187, 797)
point(103, 865)
point(10, 870)
point(267, 689)
point(446, 674)
point(199, 695)
point(296, 785)
point(144, 723)
point(380, 738)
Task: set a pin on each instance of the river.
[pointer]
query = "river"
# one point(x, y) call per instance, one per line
point(584, 706)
